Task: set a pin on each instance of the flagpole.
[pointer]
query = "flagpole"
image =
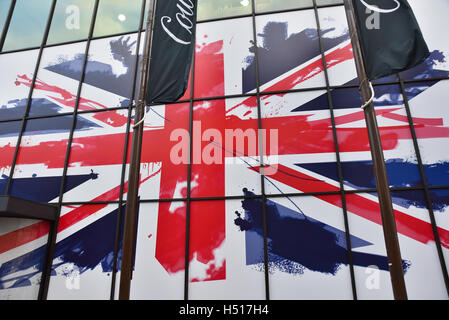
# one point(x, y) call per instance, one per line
point(380, 172)
point(132, 200)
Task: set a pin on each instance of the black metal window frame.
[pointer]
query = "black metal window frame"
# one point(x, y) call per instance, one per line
point(342, 192)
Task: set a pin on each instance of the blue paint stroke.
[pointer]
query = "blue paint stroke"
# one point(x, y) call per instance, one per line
point(407, 199)
point(15, 109)
point(296, 239)
point(359, 175)
point(3, 182)
point(45, 189)
point(280, 53)
point(428, 69)
point(385, 95)
point(45, 125)
point(100, 74)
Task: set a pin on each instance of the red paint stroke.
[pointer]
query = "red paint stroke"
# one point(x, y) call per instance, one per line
point(416, 121)
point(207, 224)
point(23, 235)
point(209, 71)
point(68, 99)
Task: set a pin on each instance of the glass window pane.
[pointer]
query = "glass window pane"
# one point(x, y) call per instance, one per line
point(224, 257)
point(431, 19)
point(368, 246)
point(223, 53)
point(17, 71)
point(117, 16)
point(337, 46)
point(109, 73)
point(23, 257)
point(440, 203)
point(27, 24)
point(37, 175)
point(210, 9)
point(84, 253)
point(228, 165)
point(289, 52)
point(9, 132)
point(399, 152)
point(58, 79)
point(328, 2)
point(94, 167)
point(307, 252)
point(271, 5)
point(161, 231)
point(71, 20)
point(311, 160)
point(4, 8)
point(165, 173)
point(428, 108)
point(423, 276)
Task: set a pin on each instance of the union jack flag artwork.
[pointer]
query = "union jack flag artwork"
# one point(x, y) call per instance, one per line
point(321, 138)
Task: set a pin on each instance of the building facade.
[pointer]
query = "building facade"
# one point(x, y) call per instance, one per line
point(273, 86)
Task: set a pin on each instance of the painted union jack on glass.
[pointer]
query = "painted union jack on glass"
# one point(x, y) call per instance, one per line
point(307, 242)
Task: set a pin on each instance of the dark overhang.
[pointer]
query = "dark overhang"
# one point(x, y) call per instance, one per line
point(12, 207)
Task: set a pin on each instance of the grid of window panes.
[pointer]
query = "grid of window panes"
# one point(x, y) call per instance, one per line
point(297, 229)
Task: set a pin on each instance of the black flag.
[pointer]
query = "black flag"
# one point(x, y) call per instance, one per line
point(172, 49)
point(390, 37)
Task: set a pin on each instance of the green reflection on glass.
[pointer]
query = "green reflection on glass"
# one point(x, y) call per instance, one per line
point(326, 2)
point(4, 8)
point(272, 5)
point(27, 25)
point(71, 20)
point(117, 16)
point(211, 9)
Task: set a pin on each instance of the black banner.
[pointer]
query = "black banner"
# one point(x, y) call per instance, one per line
point(390, 37)
point(172, 50)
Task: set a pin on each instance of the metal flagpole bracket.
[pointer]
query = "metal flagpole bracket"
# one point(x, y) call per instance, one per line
point(144, 115)
point(370, 100)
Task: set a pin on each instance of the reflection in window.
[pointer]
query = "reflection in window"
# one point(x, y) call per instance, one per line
point(111, 68)
point(71, 20)
point(27, 24)
point(335, 36)
point(57, 79)
point(4, 8)
point(288, 46)
point(271, 5)
point(328, 2)
point(117, 16)
point(210, 9)
point(9, 132)
point(22, 277)
point(17, 70)
point(36, 185)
